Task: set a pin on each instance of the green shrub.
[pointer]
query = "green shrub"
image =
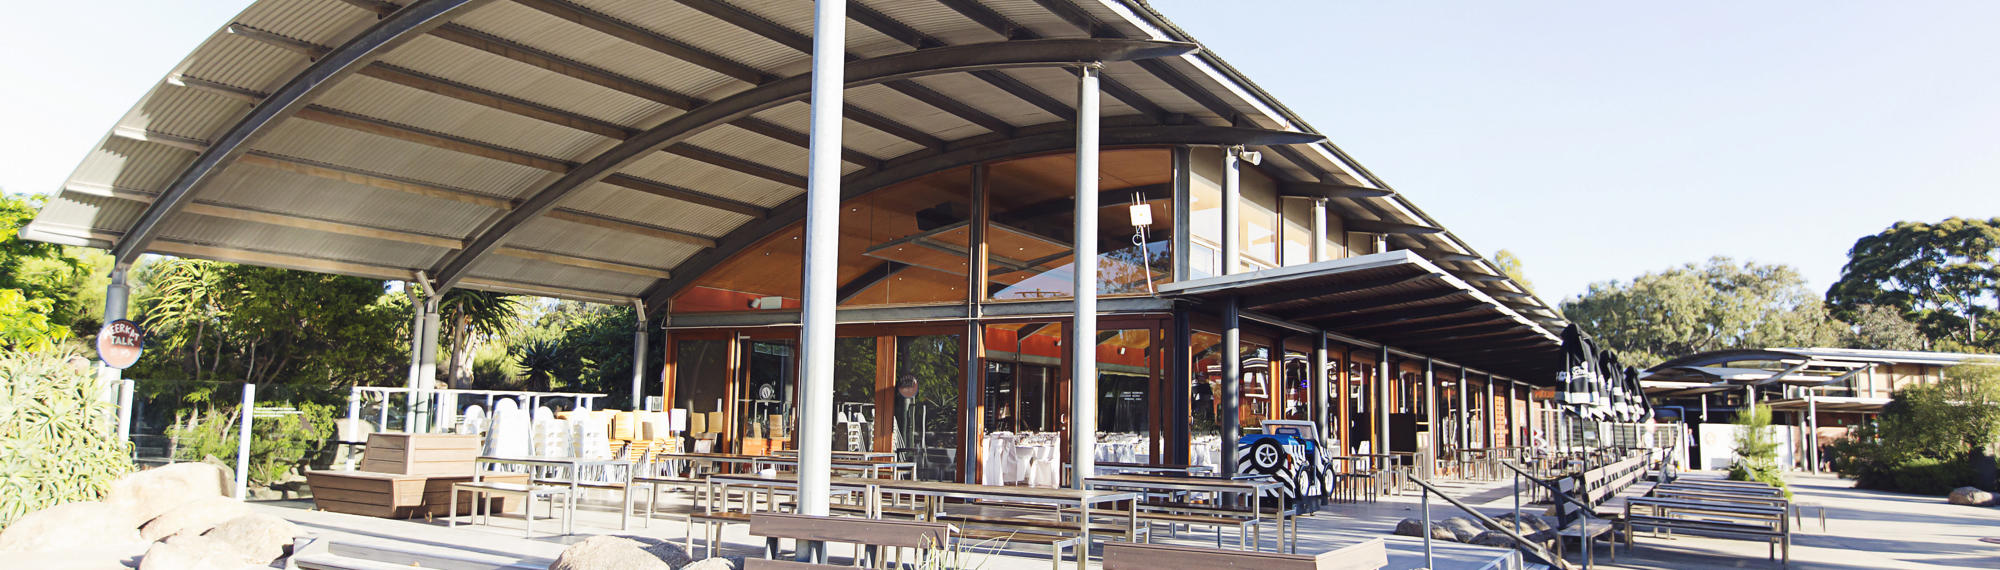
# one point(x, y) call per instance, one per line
point(1756, 450)
point(278, 444)
point(58, 439)
point(1931, 476)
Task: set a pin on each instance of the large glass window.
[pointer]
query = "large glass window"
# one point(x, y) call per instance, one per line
point(1204, 212)
point(928, 380)
point(1124, 382)
point(768, 399)
point(1022, 361)
point(1259, 220)
point(1029, 237)
point(1204, 398)
point(1298, 231)
point(1260, 390)
point(1297, 386)
point(908, 243)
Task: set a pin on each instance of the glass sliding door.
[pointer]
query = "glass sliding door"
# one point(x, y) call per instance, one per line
point(768, 410)
point(928, 389)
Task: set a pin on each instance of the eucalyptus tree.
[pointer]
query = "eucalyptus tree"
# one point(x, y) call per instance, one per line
point(1942, 276)
point(1697, 308)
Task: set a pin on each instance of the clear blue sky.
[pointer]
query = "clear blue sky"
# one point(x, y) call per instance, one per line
point(1598, 140)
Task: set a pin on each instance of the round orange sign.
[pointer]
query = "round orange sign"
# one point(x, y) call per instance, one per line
point(120, 343)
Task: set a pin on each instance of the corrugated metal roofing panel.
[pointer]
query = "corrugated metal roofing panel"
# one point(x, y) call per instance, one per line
point(76, 210)
point(701, 31)
point(1031, 15)
point(548, 33)
point(317, 21)
point(1060, 83)
point(798, 16)
point(711, 179)
point(127, 163)
point(911, 112)
point(797, 116)
point(1156, 90)
point(186, 113)
point(947, 26)
point(386, 155)
point(449, 60)
point(234, 234)
point(965, 88)
point(236, 60)
point(374, 98)
point(628, 204)
point(560, 236)
point(753, 147)
point(310, 196)
point(559, 276)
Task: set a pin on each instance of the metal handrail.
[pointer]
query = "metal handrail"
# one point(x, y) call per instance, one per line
point(1520, 543)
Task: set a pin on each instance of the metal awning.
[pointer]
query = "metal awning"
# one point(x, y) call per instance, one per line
point(1831, 404)
point(1400, 299)
point(614, 150)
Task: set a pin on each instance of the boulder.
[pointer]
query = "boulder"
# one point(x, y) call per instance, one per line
point(637, 552)
point(1493, 538)
point(195, 517)
point(1529, 523)
point(69, 526)
point(1970, 496)
point(190, 552)
point(1415, 527)
point(718, 563)
point(258, 537)
point(148, 494)
point(1462, 529)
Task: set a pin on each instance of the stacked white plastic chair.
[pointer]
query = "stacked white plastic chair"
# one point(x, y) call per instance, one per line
point(552, 437)
point(473, 421)
point(509, 434)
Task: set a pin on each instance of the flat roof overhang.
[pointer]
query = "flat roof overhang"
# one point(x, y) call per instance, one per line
point(1398, 299)
point(1831, 404)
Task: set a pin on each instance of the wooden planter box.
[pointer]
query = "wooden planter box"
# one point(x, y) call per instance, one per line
point(421, 453)
point(396, 495)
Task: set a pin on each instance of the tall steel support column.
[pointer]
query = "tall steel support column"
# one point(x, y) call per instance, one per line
point(1232, 211)
point(1232, 381)
point(1180, 378)
point(639, 356)
point(1382, 399)
point(1464, 422)
point(822, 262)
point(1430, 420)
point(117, 297)
point(1083, 346)
point(1812, 430)
point(1320, 379)
point(1492, 414)
point(418, 420)
point(1319, 249)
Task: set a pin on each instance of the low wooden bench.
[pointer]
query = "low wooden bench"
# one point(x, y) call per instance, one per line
point(1368, 555)
point(528, 492)
point(1763, 522)
point(869, 537)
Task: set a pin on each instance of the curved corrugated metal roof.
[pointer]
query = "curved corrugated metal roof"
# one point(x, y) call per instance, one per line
point(430, 142)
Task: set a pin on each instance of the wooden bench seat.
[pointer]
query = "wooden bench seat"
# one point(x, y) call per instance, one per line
point(1055, 542)
point(900, 512)
point(870, 537)
point(1771, 523)
point(1031, 523)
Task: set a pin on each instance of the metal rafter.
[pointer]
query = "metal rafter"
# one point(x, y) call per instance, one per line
point(1045, 140)
point(864, 72)
point(386, 34)
point(1000, 24)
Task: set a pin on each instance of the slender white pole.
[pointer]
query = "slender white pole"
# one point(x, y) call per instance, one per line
point(1083, 348)
point(815, 436)
point(639, 357)
point(247, 412)
point(1232, 216)
point(427, 367)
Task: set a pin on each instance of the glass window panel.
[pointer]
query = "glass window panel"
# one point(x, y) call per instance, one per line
point(1260, 218)
point(701, 381)
point(928, 381)
point(1205, 195)
point(1298, 231)
point(1204, 397)
point(1259, 389)
point(1336, 236)
point(908, 243)
point(1124, 384)
point(1297, 386)
point(1032, 218)
point(854, 394)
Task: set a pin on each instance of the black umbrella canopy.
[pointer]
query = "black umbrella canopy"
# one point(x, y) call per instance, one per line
point(1577, 367)
point(1645, 407)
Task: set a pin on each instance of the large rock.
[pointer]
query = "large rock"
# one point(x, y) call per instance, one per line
point(1529, 523)
point(1463, 529)
point(1493, 538)
point(258, 537)
point(634, 552)
point(1415, 527)
point(191, 552)
point(69, 526)
point(195, 517)
point(1970, 496)
point(718, 563)
point(151, 493)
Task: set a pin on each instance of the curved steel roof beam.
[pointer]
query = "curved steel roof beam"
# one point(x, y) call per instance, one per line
point(390, 32)
point(962, 58)
point(861, 183)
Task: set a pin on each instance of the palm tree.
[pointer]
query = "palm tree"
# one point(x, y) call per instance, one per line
point(543, 361)
point(471, 317)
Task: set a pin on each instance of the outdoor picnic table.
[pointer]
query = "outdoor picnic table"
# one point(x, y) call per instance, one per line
point(748, 461)
point(1253, 487)
point(1145, 468)
point(934, 492)
point(574, 467)
point(871, 468)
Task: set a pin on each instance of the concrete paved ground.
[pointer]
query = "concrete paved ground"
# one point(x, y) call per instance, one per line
point(1866, 530)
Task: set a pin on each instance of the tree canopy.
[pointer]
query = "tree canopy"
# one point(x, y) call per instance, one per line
point(1941, 276)
point(1693, 308)
point(48, 293)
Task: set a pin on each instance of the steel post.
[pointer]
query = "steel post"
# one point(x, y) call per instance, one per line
point(1232, 382)
point(639, 356)
point(822, 259)
point(1232, 211)
point(1083, 343)
point(246, 413)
